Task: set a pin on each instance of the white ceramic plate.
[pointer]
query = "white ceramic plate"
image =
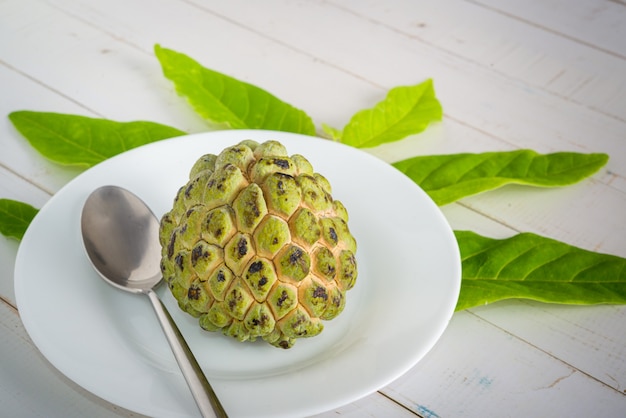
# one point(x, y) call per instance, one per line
point(110, 343)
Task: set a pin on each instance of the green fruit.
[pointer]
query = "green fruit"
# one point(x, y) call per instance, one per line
point(255, 246)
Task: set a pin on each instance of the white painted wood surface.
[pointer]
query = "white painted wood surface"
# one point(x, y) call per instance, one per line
point(546, 75)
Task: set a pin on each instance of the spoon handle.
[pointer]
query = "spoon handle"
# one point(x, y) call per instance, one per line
point(205, 397)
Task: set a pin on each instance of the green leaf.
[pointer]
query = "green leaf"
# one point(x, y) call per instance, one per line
point(406, 110)
point(15, 217)
point(447, 178)
point(84, 141)
point(331, 133)
point(224, 100)
point(534, 267)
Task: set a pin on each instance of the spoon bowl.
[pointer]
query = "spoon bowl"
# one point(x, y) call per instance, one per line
point(121, 238)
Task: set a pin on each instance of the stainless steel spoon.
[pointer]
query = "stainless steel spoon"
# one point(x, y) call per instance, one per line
point(121, 236)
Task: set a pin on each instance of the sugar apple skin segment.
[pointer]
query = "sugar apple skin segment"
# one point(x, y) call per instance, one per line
point(256, 247)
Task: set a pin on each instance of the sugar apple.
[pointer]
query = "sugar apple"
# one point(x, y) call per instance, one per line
point(255, 245)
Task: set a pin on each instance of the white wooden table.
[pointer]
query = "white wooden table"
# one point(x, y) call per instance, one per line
point(546, 75)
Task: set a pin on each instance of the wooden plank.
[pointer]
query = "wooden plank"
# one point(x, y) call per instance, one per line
point(590, 338)
point(17, 154)
point(8, 251)
point(103, 69)
point(30, 386)
point(13, 187)
point(505, 37)
point(463, 218)
point(374, 405)
point(17, 188)
point(133, 84)
point(479, 370)
point(590, 22)
point(589, 215)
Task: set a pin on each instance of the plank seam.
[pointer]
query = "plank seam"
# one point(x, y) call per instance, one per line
point(536, 347)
